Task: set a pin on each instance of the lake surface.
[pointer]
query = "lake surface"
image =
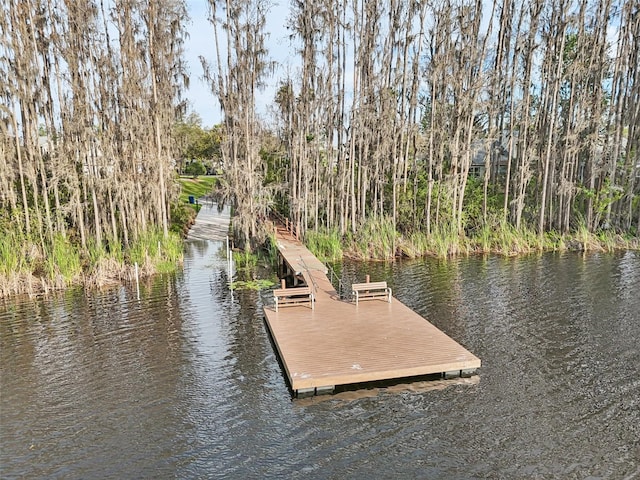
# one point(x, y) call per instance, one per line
point(184, 382)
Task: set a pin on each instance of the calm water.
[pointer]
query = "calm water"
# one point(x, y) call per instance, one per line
point(184, 383)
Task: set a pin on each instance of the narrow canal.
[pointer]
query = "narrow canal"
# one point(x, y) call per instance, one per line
point(184, 382)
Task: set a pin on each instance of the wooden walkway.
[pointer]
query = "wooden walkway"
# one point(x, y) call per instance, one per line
point(339, 343)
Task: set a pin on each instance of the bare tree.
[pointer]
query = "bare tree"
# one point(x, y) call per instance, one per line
point(236, 83)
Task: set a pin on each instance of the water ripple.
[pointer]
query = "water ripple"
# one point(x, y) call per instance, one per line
point(184, 382)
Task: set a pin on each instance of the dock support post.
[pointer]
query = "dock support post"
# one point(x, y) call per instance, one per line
point(325, 390)
point(305, 392)
point(311, 391)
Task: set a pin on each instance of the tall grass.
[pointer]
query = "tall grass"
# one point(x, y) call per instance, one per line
point(245, 259)
point(62, 262)
point(484, 238)
point(28, 267)
point(414, 245)
point(325, 244)
point(375, 239)
point(21, 255)
point(513, 241)
point(156, 253)
point(446, 241)
point(11, 253)
point(583, 236)
point(609, 240)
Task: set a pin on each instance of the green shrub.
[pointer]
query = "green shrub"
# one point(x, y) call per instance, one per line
point(195, 168)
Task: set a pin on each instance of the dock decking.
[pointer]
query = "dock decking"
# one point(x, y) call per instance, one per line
point(341, 343)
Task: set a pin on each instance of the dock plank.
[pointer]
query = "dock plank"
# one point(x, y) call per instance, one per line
point(342, 343)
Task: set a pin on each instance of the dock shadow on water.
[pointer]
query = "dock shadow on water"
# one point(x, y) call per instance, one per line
point(377, 389)
point(184, 383)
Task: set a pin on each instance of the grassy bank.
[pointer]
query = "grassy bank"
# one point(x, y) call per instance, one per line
point(35, 265)
point(183, 212)
point(195, 187)
point(26, 267)
point(377, 240)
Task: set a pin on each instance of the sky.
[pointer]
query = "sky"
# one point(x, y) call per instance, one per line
point(201, 43)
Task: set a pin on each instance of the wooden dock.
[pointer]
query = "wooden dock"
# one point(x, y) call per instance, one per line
point(341, 343)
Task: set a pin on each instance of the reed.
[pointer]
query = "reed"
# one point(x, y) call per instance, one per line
point(325, 244)
point(62, 262)
point(375, 239)
point(509, 240)
point(152, 250)
point(496, 236)
point(245, 259)
point(170, 254)
point(531, 240)
point(609, 240)
point(583, 236)
point(445, 240)
point(410, 246)
point(28, 267)
point(484, 239)
point(11, 253)
point(421, 242)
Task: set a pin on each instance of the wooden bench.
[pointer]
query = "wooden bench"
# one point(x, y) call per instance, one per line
point(371, 290)
point(293, 296)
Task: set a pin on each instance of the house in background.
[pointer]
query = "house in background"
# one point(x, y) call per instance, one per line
point(498, 160)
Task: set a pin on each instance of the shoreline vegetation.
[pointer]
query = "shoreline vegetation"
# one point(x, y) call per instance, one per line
point(25, 268)
point(412, 129)
point(379, 242)
point(32, 267)
point(29, 268)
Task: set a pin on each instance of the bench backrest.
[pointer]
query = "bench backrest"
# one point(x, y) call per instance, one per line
point(285, 292)
point(369, 286)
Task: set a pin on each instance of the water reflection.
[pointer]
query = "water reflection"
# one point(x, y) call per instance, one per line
point(96, 373)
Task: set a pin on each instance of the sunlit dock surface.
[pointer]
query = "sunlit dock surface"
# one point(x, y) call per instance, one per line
point(340, 343)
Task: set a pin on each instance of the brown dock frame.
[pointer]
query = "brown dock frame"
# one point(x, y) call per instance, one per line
point(341, 343)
